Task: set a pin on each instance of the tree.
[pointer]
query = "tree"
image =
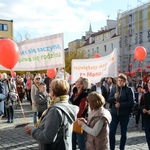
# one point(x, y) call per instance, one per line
point(78, 53)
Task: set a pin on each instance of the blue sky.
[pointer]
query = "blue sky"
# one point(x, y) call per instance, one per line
point(39, 18)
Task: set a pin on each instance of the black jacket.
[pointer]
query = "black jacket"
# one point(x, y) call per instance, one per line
point(47, 81)
point(103, 89)
point(2, 91)
point(126, 100)
point(145, 103)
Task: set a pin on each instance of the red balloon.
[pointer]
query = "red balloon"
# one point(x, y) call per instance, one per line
point(9, 53)
point(144, 70)
point(13, 73)
point(138, 69)
point(130, 65)
point(140, 53)
point(51, 73)
point(148, 66)
point(133, 73)
point(134, 59)
point(97, 55)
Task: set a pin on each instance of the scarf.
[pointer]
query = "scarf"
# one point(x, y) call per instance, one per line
point(59, 99)
point(52, 102)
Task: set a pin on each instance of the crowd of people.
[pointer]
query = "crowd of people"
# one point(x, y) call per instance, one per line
point(98, 108)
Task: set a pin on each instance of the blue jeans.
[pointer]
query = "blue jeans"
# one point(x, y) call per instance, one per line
point(124, 120)
point(147, 131)
point(34, 117)
point(80, 139)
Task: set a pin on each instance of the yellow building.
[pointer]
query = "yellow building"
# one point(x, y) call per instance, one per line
point(6, 29)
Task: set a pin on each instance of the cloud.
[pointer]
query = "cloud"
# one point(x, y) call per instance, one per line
point(84, 2)
point(46, 17)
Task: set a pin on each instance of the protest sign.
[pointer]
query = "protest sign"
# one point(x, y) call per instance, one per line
point(40, 54)
point(95, 69)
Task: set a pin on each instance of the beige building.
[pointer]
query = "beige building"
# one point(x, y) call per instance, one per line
point(6, 29)
point(134, 30)
point(102, 42)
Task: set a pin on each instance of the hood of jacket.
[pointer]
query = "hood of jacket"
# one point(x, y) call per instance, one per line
point(69, 109)
point(104, 113)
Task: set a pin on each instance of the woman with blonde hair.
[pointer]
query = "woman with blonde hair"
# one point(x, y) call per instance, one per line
point(55, 129)
point(97, 125)
point(83, 85)
point(34, 89)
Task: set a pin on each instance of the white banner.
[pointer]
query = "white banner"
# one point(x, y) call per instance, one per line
point(96, 68)
point(40, 54)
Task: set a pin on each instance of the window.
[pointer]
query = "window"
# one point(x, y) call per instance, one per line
point(130, 18)
point(93, 50)
point(3, 27)
point(97, 49)
point(105, 48)
point(112, 46)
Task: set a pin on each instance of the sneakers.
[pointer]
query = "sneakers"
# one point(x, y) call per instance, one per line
point(10, 121)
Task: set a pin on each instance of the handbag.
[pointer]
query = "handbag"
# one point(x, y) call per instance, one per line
point(77, 128)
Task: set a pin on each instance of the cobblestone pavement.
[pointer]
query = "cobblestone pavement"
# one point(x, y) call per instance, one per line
point(13, 136)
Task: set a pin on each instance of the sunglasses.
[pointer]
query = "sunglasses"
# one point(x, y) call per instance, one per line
point(37, 78)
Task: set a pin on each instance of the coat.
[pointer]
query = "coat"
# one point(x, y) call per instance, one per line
point(103, 89)
point(33, 94)
point(48, 130)
point(126, 100)
point(41, 101)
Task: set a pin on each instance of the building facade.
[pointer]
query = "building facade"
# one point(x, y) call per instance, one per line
point(6, 29)
point(102, 42)
point(134, 30)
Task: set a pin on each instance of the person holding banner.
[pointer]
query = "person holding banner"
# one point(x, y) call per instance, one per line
point(122, 100)
point(83, 85)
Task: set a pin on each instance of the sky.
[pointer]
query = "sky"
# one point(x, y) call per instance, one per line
point(38, 18)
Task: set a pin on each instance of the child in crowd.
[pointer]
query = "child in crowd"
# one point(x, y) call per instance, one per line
point(41, 99)
point(97, 125)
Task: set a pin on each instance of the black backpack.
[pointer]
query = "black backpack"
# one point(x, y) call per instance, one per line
point(59, 143)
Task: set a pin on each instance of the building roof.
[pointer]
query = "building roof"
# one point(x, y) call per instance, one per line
point(98, 33)
point(6, 20)
point(103, 31)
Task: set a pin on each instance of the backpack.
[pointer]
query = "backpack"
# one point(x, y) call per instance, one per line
point(59, 142)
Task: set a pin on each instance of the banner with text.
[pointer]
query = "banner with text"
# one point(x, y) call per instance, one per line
point(40, 54)
point(96, 68)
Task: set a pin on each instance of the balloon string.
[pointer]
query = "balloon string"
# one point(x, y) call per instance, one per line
point(22, 110)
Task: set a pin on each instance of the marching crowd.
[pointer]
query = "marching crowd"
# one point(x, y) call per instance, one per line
point(99, 108)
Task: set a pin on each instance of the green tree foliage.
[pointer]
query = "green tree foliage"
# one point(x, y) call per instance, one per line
point(73, 54)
